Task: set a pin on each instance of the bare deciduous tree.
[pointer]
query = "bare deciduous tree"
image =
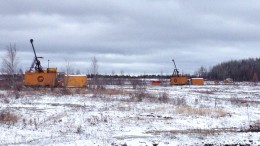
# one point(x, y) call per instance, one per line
point(94, 73)
point(10, 63)
point(94, 66)
point(78, 72)
point(69, 70)
point(201, 72)
point(122, 72)
point(121, 80)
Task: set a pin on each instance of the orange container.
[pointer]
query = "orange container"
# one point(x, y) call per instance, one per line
point(76, 81)
point(197, 81)
point(156, 83)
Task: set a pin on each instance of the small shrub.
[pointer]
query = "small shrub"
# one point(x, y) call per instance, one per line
point(66, 91)
point(163, 97)
point(254, 127)
point(179, 101)
point(201, 111)
point(24, 123)
point(138, 84)
point(244, 102)
point(137, 96)
point(8, 117)
point(2, 95)
point(140, 96)
point(79, 130)
point(7, 100)
point(35, 124)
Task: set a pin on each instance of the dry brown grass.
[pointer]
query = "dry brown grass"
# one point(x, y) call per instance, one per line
point(243, 101)
point(107, 92)
point(69, 91)
point(54, 117)
point(187, 110)
point(122, 108)
point(211, 131)
point(160, 109)
point(8, 117)
point(2, 95)
point(204, 92)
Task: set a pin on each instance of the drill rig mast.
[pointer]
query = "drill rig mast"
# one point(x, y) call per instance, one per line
point(175, 71)
point(36, 64)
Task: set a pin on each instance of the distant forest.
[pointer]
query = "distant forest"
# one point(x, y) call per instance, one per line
point(238, 70)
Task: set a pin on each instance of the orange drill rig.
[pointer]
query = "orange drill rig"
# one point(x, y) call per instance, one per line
point(178, 79)
point(37, 76)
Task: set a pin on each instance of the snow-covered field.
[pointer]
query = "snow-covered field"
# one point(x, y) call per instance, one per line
point(173, 115)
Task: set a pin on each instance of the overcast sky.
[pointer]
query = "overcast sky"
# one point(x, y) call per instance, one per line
point(134, 36)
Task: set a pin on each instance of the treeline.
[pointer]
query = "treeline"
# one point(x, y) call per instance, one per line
point(238, 70)
point(131, 76)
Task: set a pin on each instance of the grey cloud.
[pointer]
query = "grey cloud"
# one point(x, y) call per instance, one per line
point(132, 35)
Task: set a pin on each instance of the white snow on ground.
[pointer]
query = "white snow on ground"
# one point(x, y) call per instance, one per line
point(193, 115)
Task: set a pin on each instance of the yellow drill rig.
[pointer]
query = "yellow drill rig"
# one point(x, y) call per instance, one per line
point(36, 76)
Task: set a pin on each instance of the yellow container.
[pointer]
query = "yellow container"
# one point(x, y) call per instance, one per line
point(197, 81)
point(40, 79)
point(75, 81)
point(181, 80)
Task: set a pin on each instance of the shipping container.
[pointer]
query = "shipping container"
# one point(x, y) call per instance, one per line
point(197, 81)
point(76, 81)
point(156, 82)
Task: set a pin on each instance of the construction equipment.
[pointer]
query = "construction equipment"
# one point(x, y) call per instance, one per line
point(178, 79)
point(37, 76)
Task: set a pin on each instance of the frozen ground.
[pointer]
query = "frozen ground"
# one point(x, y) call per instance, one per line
point(176, 115)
